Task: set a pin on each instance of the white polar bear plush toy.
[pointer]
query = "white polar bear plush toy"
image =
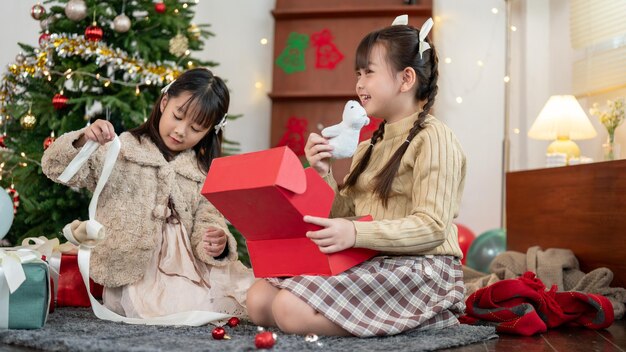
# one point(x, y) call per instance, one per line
point(344, 136)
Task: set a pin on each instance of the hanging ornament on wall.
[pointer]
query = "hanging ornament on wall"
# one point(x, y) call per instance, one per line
point(291, 59)
point(37, 11)
point(179, 45)
point(326, 53)
point(59, 101)
point(49, 140)
point(159, 7)
point(15, 196)
point(293, 137)
point(76, 10)
point(121, 23)
point(28, 121)
point(93, 33)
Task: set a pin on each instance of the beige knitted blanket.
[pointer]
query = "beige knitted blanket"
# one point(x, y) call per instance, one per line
point(553, 267)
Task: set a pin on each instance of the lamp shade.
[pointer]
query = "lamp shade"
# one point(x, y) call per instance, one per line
point(562, 117)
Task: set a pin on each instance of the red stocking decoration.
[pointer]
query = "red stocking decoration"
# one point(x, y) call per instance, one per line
point(326, 54)
point(294, 135)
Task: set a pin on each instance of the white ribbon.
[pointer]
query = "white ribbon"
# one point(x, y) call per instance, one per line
point(426, 27)
point(95, 233)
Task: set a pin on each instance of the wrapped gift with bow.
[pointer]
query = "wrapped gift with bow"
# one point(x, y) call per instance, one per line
point(24, 289)
point(68, 289)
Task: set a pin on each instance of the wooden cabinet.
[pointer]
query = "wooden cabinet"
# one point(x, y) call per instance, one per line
point(582, 208)
point(319, 94)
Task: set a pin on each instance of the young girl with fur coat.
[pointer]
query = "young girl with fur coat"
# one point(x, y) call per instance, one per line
point(167, 249)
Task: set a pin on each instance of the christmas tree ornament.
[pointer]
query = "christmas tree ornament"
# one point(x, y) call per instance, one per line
point(219, 334)
point(159, 7)
point(179, 45)
point(76, 10)
point(194, 30)
point(121, 23)
point(20, 58)
point(59, 101)
point(291, 59)
point(265, 340)
point(43, 38)
point(37, 11)
point(49, 140)
point(28, 121)
point(93, 33)
point(46, 22)
point(326, 53)
point(232, 322)
point(311, 338)
point(2, 144)
point(15, 196)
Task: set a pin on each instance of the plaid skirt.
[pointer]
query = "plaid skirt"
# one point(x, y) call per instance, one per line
point(386, 295)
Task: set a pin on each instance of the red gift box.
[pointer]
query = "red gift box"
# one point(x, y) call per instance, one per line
point(265, 195)
point(71, 291)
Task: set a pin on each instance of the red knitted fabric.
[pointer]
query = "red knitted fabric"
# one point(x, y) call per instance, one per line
point(523, 306)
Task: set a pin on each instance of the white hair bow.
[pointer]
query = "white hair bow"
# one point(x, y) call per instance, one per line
point(167, 87)
point(220, 126)
point(426, 27)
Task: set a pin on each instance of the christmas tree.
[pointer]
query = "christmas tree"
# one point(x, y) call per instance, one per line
point(95, 59)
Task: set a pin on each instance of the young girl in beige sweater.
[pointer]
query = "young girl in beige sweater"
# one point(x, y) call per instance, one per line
point(410, 178)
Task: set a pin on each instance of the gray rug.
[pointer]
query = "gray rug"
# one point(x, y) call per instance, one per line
point(77, 329)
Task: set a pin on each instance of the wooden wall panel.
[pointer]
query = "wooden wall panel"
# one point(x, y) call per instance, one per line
point(582, 208)
point(320, 94)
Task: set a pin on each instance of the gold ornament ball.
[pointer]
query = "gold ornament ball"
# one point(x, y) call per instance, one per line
point(76, 10)
point(194, 30)
point(121, 23)
point(28, 121)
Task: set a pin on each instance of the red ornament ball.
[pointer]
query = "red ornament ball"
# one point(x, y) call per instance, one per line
point(37, 11)
point(2, 145)
point(43, 37)
point(47, 142)
point(264, 340)
point(159, 7)
point(59, 101)
point(219, 333)
point(93, 33)
point(232, 322)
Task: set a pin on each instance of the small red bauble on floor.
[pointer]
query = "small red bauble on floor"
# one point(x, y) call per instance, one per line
point(159, 7)
point(219, 333)
point(264, 340)
point(59, 101)
point(93, 33)
point(232, 322)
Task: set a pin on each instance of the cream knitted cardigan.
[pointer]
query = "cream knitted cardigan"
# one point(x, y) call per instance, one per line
point(425, 197)
point(132, 205)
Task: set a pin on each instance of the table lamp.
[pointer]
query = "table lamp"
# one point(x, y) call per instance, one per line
point(563, 120)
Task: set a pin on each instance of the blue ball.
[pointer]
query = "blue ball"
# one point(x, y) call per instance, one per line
point(485, 248)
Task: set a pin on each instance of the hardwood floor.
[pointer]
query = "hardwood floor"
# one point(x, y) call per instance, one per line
point(612, 339)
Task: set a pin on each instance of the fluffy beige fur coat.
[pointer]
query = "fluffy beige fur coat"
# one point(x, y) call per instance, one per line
point(133, 203)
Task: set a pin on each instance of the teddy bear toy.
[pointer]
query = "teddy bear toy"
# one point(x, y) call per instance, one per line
point(344, 136)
